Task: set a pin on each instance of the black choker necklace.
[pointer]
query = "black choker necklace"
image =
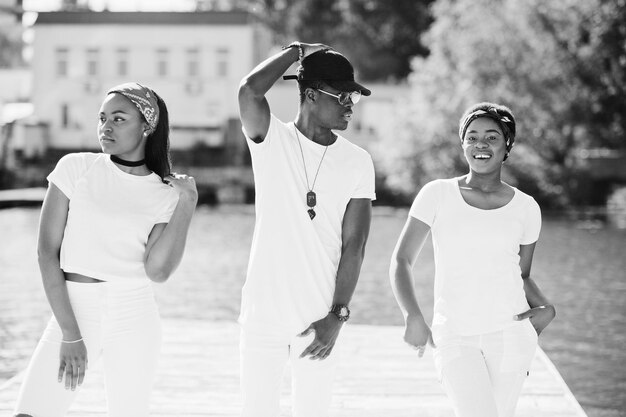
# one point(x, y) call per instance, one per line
point(127, 163)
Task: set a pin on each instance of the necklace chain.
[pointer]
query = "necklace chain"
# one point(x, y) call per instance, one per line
point(304, 163)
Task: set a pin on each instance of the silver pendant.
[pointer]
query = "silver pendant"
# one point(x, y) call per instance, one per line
point(311, 199)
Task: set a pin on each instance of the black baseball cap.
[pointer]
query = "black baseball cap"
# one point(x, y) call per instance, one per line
point(330, 67)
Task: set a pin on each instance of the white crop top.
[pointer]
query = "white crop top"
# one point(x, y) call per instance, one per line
point(111, 214)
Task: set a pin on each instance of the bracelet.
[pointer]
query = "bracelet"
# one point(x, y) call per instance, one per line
point(296, 45)
point(72, 341)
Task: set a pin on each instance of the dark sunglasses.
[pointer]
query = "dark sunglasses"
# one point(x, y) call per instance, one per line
point(344, 97)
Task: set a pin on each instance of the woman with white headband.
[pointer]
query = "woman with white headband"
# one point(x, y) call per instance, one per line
point(111, 224)
point(488, 311)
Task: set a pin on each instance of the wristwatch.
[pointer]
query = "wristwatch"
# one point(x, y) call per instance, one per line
point(296, 45)
point(341, 311)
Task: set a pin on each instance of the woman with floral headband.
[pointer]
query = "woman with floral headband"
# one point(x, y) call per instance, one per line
point(111, 223)
point(488, 311)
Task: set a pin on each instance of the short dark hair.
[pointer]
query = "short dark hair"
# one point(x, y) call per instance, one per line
point(157, 152)
point(304, 84)
point(501, 114)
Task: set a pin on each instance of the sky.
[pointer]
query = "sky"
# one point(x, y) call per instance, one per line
point(116, 5)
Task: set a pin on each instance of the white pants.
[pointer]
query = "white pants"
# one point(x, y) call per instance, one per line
point(264, 352)
point(483, 374)
point(120, 323)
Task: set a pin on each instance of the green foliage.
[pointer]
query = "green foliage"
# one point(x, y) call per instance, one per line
point(379, 37)
point(561, 67)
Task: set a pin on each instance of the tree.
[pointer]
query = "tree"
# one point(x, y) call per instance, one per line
point(559, 65)
point(379, 37)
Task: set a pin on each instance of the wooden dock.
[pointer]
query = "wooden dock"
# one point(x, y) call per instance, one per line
point(378, 376)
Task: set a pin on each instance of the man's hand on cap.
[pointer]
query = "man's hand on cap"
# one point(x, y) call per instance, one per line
point(311, 48)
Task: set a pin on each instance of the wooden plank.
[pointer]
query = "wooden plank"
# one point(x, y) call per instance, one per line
point(378, 375)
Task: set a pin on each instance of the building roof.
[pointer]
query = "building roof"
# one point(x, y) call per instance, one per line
point(143, 18)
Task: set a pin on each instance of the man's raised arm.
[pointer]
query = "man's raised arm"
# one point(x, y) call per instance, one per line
point(254, 110)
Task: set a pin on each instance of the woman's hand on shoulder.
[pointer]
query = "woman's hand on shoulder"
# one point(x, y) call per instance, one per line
point(417, 334)
point(184, 185)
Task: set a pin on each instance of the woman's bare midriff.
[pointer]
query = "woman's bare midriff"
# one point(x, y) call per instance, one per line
point(71, 276)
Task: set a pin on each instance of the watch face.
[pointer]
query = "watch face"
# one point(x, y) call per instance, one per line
point(342, 312)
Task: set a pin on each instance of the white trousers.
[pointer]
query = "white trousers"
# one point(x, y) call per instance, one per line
point(483, 374)
point(264, 352)
point(120, 323)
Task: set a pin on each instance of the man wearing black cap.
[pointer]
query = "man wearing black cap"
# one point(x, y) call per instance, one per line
point(313, 208)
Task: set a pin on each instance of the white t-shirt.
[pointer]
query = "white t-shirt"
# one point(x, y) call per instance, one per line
point(293, 259)
point(111, 214)
point(478, 283)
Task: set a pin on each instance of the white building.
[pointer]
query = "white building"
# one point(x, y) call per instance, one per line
point(193, 60)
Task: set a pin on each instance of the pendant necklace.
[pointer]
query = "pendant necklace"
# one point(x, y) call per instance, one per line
point(311, 198)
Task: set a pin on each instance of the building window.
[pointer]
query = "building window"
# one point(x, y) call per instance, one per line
point(65, 116)
point(193, 62)
point(222, 62)
point(62, 56)
point(122, 62)
point(92, 62)
point(162, 62)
